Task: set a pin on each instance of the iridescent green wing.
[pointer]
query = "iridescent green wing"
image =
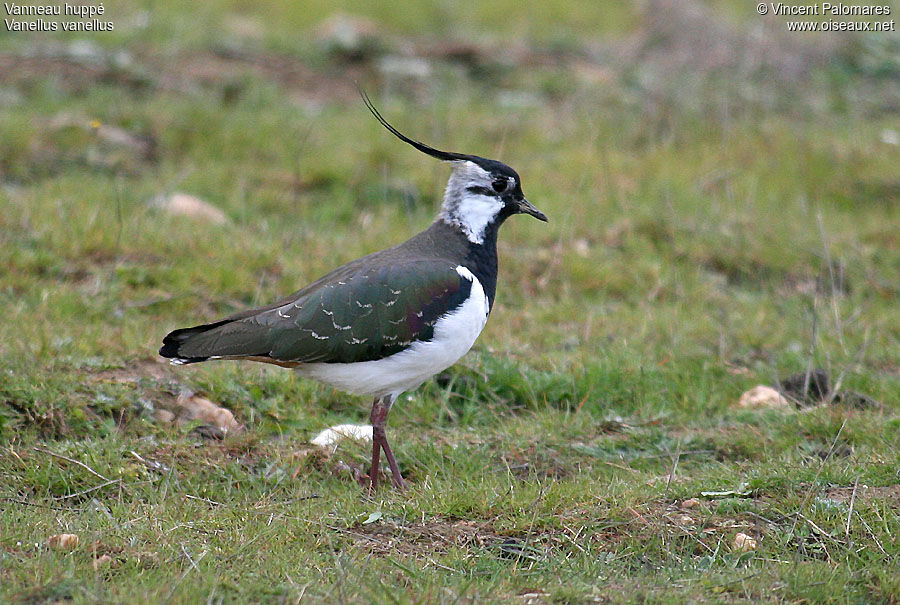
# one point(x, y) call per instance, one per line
point(365, 315)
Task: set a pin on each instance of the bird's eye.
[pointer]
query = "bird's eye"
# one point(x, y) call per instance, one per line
point(499, 185)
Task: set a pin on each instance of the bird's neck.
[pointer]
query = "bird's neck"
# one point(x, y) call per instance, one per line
point(470, 216)
point(479, 257)
point(482, 260)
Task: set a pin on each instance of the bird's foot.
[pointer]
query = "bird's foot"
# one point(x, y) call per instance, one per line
point(399, 482)
point(370, 482)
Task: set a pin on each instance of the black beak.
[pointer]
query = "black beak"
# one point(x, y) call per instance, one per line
point(526, 207)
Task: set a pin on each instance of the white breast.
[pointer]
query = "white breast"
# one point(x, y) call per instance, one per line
point(454, 335)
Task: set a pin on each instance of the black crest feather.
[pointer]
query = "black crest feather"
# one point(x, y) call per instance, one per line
point(492, 166)
point(447, 156)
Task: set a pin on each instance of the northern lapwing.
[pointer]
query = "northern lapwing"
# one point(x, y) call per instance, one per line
point(384, 323)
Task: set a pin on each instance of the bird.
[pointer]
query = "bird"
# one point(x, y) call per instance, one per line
point(385, 323)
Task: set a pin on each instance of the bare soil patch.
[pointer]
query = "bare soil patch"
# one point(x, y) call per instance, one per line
point(135, 371)
point(889, 494)
point(438, 536)
point(435, 536)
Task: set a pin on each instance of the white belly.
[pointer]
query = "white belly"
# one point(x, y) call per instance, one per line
point(454, 335)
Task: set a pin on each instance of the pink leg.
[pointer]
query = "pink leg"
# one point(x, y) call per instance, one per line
point(378, 417)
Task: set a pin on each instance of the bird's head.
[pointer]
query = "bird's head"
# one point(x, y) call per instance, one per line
point(480, 192)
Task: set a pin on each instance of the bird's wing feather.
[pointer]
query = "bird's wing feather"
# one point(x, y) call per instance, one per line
point(368, 315)
point(360, 314)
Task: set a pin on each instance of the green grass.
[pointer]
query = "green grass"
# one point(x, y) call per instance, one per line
point(712, 227)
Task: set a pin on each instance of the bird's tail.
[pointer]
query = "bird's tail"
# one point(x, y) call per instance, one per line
point(191, 345)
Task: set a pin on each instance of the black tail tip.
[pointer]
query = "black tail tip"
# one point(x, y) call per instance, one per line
point(172, 343)
point(168, 350)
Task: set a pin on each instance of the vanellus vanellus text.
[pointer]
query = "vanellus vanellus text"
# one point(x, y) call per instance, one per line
point(384, 323)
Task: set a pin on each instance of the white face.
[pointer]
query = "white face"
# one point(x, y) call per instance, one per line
point(471, 211)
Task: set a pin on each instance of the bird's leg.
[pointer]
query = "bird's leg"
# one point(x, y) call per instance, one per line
point(377, 436)
point(396, 477)
point(378, 417)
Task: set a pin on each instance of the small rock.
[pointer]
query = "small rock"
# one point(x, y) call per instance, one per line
point(63, 541)
point(143, 145)
point(189, 205)
point(349, 37)
point(889, 136)
point(582, 247)
point(193, 407)
point(744, 543)
point(413, 68)
point(101, 561)
point(163, 416)
point(690, 503)
point(762, 397)
point(684, 519)
point(86, 52)
point(534, 598)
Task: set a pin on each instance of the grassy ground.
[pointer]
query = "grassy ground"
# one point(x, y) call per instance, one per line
point(723, 202)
